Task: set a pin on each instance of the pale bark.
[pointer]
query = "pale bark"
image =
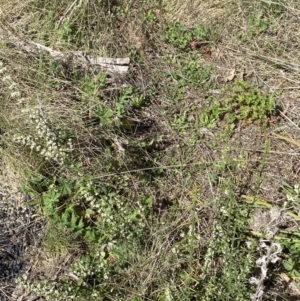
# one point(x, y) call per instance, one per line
point(116, 67)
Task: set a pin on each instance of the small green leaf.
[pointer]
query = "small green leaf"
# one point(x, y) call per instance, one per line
point(288, 265)
point(64, 188)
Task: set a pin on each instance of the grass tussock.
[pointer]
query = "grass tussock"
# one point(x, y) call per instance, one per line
point(178, 181)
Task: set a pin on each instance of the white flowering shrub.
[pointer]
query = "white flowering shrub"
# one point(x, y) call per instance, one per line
point(50, 290)
point(44, 139)
point(86, 278)
point(74, 285)
point(292, 195)
point(104, 216)
point(94, 209)
point(11, 85)
point(226, 264)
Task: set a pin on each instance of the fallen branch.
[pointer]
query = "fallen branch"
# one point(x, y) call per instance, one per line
point(115, 67)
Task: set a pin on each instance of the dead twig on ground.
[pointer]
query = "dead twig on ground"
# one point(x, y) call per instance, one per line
point(115, 67)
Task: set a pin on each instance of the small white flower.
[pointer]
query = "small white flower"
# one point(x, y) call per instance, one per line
point(15, 94)
point(6, 78)
point(296, 188)
point(290, 198)
point(2, 70)
point(249, 244)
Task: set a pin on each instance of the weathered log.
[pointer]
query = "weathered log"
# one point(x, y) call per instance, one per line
point(115, 67)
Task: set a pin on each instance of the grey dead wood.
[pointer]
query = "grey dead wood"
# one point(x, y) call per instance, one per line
point(115, 67)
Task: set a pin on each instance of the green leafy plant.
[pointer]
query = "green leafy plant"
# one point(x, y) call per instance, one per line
point(180, 36)
point(257, 23)
point(123, 99)
point(292, 263)
point(272, 8)
point(290, 240)
point(193, 73)
point(92, 87)
point(104, 114)
point(241, 103)
point(188, 73)
point(67, 31)
point(88, 209)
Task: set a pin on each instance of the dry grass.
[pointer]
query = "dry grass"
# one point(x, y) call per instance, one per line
point(191, 12)
point(256, 41)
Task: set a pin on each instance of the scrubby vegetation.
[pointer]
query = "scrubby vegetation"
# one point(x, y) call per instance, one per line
point(178, 181)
